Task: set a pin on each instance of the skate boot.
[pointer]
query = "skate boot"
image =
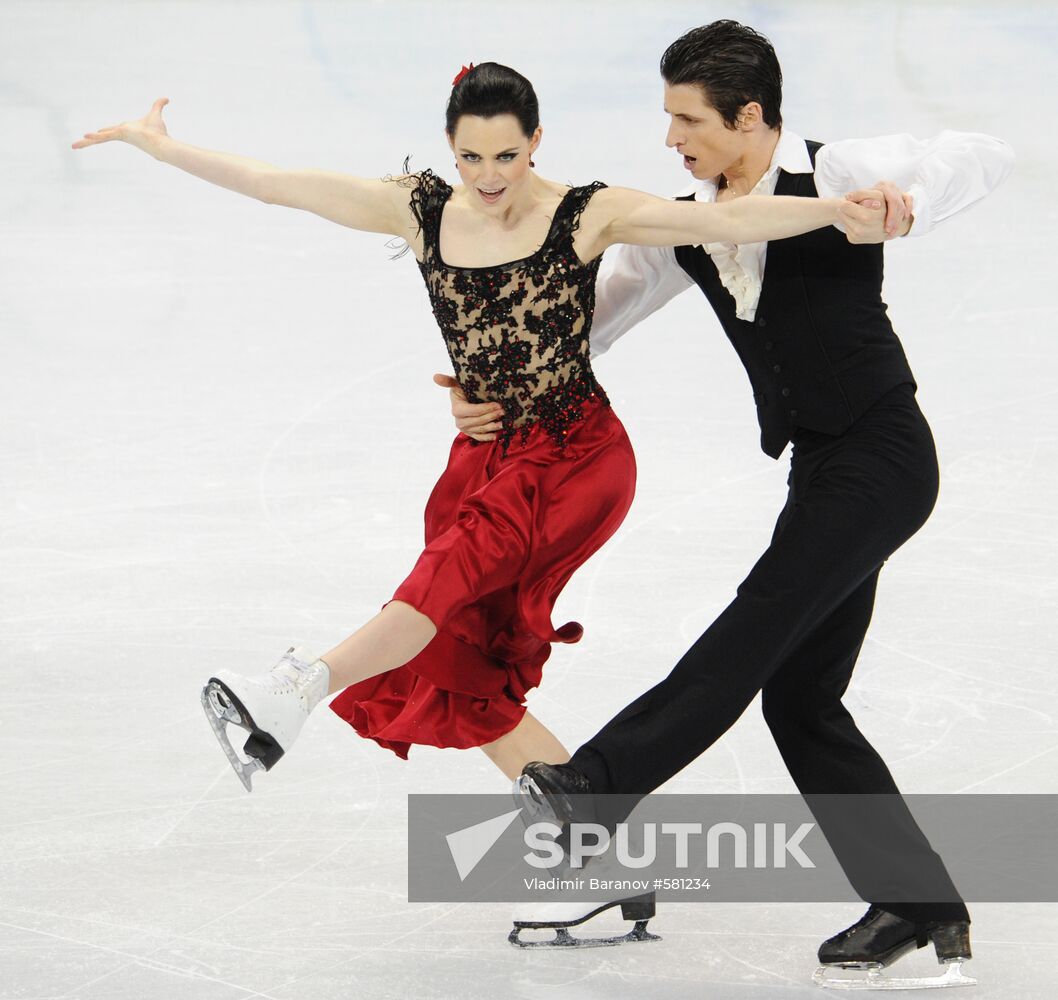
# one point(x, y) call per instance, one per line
point(543, 791)
point(559, 794)
point(560, 916)
point(879, 938)
point(272, 708)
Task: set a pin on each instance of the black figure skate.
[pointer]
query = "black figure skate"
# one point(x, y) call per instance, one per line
point(878, 939)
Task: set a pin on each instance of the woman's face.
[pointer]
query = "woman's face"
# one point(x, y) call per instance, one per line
point(493, 155)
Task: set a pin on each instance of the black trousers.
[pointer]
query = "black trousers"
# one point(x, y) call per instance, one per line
point(794, 631)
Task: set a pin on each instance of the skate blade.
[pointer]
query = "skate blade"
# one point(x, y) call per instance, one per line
point(563, 938)
point(535, 805)
point(220, 710)
point(829, 977)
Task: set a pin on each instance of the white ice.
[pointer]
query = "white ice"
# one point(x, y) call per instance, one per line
point(218, 431)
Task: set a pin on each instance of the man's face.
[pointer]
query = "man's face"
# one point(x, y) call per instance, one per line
point(699, 134)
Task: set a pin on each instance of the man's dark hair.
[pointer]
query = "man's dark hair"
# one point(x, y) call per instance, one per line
point(732, 64)
point(491, 89)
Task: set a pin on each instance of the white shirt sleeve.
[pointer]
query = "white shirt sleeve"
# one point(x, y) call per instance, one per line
point(633, 282)
point(944, 175)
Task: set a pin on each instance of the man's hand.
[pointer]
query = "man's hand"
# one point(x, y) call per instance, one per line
point(479, 421)
point(878, 214)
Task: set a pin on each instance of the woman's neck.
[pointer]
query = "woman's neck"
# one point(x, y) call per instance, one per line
point(527, 202)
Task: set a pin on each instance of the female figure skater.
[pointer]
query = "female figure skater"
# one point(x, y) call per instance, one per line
point(510, 261)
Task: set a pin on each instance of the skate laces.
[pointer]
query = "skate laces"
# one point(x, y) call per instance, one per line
point(290, 673)
point(308, 679)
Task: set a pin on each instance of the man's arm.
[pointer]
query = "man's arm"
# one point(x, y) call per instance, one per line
point(633, 283)
point(944, 175)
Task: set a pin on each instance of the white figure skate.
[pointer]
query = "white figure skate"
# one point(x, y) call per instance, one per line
point(561, 915)
point(272, 708)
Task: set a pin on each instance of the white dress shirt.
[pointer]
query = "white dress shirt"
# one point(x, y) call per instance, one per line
point(944, 175)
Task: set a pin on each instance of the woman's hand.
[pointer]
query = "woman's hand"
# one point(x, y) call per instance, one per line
point(138, 133)
point(479, 421)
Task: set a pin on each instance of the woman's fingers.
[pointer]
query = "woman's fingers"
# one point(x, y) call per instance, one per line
point(108, 133)
point(120, 130)
point(92, 138)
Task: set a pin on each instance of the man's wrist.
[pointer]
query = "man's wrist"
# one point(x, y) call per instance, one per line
point(908, 223)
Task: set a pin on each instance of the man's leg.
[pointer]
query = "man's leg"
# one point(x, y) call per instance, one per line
point(853, 501)
point(875, 838)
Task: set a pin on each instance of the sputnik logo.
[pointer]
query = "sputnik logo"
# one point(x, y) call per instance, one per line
point(470, 845)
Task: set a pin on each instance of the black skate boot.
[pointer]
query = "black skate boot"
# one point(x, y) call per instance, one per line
point(879, 938)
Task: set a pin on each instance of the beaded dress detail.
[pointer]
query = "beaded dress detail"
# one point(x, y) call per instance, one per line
point(517, 332)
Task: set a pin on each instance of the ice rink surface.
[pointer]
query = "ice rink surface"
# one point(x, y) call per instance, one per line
point(218, 432)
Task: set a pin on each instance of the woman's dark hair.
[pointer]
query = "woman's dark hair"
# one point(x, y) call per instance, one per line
point(732, 64)
point(490, 89)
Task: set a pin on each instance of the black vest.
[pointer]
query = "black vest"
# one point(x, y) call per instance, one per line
point(821, 349)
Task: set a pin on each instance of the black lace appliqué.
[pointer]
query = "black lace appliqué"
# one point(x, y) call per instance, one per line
point(517, 333)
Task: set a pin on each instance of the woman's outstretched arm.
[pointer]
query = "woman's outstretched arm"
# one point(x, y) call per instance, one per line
point(357, 202)
point(622, 215)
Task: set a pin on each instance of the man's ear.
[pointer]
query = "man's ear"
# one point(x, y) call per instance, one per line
point(750, 116)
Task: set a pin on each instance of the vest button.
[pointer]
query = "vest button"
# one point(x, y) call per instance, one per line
point(786, 392)
point(762, 321)
point(776, 368)
point(793, 413)
point(768, 345)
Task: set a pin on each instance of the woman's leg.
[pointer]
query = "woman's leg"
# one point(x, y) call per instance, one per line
point(397, 634)
point(529, 740)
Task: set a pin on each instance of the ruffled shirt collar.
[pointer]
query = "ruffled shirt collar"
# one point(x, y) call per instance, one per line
point(741, 266)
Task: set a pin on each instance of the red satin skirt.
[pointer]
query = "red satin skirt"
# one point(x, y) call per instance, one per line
point(504, 535)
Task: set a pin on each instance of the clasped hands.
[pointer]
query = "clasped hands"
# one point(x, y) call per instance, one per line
point(876, 214)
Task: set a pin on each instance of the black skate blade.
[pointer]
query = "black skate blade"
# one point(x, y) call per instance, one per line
point(563, 938)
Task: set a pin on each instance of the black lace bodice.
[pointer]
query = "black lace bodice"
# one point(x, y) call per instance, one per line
point(517, 333)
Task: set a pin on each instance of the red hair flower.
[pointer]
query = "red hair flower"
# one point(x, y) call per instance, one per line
point(463, 72)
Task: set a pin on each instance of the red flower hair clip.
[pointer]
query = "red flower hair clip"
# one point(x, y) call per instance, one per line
point(463, 72)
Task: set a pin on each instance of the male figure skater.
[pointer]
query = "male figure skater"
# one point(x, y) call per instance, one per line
point(828, 374)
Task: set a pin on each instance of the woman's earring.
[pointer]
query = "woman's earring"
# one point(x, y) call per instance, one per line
point(531, 163)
